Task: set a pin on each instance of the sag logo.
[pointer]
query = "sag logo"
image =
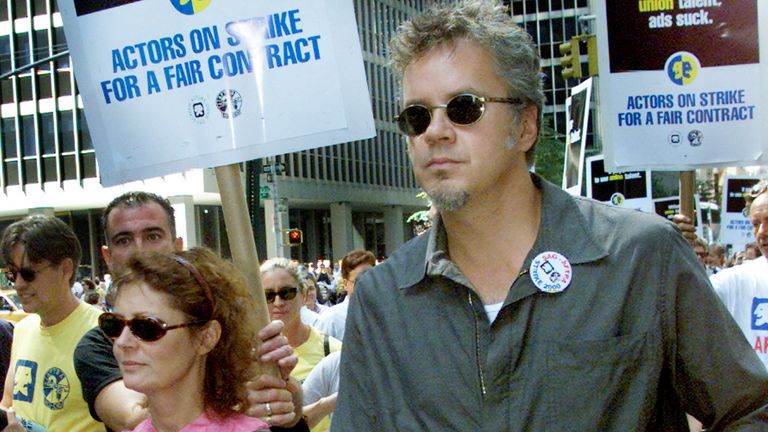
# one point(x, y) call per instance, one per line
point(682, 68)
point(617, 199)
point(759, 313)
point(190, 7)
point(55, 388)
point(24, 378)
point(550, 272)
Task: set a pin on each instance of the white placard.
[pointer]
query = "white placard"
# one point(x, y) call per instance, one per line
point(577, 119)
point(173, 85)
point(735, 225)
point(682, 84)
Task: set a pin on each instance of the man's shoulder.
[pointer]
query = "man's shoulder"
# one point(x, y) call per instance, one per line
point(30, 323)
point(611, 222)
point(752, 269)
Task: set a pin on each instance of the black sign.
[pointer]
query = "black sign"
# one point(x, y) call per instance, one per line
point(737, 189)
point(84, 7)
point(604, 184)
point(667, 207)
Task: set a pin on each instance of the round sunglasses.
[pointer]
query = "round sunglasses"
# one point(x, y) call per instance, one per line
point(285, 293)
point(26, 273)
point(462, 110)
point(148, 329)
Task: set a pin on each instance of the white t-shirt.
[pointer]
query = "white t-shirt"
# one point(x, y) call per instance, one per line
point(492, 310)
point(308, 317)
point(323, 380)
point(332, 321)
point(744, 291)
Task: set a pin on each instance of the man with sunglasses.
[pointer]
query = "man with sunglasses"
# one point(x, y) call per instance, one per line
point(139, 221)
point(524, 308)
point(42, 255)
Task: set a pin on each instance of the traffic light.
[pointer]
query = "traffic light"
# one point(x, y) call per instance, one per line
point(293, 237)
point(592, 55)
point(570, 62)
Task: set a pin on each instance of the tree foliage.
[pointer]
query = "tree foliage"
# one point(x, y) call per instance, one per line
point(550, 153)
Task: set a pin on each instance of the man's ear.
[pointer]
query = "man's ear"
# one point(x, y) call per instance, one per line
point(68, 266)
point(178, 244)
point(529, 128)
point(209, 337)
point(107, 255)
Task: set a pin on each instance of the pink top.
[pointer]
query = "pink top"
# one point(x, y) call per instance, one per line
point(238, 423)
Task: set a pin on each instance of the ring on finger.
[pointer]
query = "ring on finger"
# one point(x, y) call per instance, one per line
point(269, 409)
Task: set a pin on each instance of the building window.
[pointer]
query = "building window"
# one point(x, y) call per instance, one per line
point(30, 171)
point(11, 173)
point(28, 138)
point(49, 170)
point(66, 131)
point(89, 165)
point(47, 134)
point(86, 143)
point(70, 167)
point(5, 52)
point(39, 7)
point(9, 137)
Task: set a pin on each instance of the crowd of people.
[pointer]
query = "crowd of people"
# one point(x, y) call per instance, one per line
point(523, 308)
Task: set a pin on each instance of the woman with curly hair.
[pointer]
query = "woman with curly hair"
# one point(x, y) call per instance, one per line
point(181, 325)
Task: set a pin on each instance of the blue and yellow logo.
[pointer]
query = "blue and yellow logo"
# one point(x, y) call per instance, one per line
point(190, 7)
point(56, 388)
point(682, 68)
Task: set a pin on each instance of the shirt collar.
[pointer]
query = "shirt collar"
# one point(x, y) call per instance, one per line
point(563, 229)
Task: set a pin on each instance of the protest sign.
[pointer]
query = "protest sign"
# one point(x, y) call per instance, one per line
point(577, 119)
point(173, 85)
point(630, 189)
point(668, 207)
point(682, 83)
point(735, 225)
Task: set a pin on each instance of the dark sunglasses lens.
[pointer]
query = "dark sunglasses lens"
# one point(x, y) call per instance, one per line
point(26, 274)
point(147, 329)
point(414, 120)
point(270, 296)
point(464, 109)
point(288, 294)
point(111, 325)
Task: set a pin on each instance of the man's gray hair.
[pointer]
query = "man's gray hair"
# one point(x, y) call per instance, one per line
point(486, 23)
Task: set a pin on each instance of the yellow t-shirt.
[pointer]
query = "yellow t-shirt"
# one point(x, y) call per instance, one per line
point(310, 353)
point(47, 395)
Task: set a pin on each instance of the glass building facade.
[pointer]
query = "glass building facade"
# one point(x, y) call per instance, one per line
point(44, 140)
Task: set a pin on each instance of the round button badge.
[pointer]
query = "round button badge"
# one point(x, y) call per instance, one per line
point(551, 272)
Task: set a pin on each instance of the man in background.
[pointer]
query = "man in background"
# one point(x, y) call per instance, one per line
point(141, 221)
point(333, 320)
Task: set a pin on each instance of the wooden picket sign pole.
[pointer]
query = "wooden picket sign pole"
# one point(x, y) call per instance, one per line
point(242, 244)
point(687, 190)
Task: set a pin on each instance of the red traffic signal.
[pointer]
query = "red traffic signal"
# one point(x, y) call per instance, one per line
point(294, 237)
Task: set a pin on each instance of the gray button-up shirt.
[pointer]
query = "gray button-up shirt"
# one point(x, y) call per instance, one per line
point(636, 340)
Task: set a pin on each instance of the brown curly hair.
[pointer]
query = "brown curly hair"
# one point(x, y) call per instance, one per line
point(228, 365)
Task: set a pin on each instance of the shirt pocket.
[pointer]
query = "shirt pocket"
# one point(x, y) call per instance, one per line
point(601, 385)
